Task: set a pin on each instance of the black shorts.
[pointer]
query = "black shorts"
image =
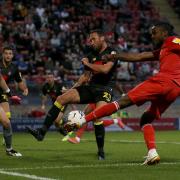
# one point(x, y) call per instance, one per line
point(94, 94)
point(3, 98)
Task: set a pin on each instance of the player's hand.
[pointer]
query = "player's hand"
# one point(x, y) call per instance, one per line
point(25, 92)
point(109, 57)
point(15, 98)
point(63, 90)
point(43, 107)
point(85, 61)
point(8, 93)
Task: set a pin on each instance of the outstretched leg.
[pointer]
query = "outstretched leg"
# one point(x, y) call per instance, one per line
point(71, 96)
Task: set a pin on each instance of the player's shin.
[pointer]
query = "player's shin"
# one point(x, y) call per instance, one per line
point(51, 116)
point(149, 136)
point(105, 110)
point(100, 134)
point(7, 134)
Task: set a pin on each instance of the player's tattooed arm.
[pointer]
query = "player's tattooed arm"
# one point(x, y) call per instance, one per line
point(84, 78)
point(130, 57)
point(98, 68)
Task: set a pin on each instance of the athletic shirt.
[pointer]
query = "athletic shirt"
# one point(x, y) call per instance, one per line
point(52, 91)
point(10, 74)
point(101, 79)
point(169, 57)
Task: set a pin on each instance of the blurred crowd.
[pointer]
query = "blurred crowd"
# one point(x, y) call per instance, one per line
point(51, 35)
point(176, 6)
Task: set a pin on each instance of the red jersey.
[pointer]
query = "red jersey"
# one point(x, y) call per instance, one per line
point(169, 57)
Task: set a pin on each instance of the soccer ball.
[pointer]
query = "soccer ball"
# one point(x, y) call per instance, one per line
point(76, 118)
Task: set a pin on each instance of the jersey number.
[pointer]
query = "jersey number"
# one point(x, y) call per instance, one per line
point(107, 96)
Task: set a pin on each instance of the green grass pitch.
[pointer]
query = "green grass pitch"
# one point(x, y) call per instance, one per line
point(54, 159)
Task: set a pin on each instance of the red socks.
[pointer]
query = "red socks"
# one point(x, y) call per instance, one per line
point(149, 136)
point(108, 122)
point(105, 110)
point(80, 131)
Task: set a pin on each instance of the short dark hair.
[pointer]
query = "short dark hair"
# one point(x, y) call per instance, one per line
point(98, 31)
point(166, 27)
point(8, 48)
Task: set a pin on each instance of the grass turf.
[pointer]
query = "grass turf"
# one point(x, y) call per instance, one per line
point(54, 159)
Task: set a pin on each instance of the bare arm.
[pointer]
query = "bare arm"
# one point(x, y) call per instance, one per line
point(131, 57)
point(82, 79)
point(43, 102)
point(22, 86)
point(98, 68)
point(3, 85)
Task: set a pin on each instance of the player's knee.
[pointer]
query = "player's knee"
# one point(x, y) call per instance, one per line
point(146, 118)
point(8, 114)
point(98, 122)
point(58, 122)
point(99, 128)
point(60, 99)
point(124, 101)
point(6, 124)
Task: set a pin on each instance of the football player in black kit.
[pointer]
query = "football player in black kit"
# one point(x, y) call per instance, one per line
point(53, 89)
point(94, 86)
point(10, 73)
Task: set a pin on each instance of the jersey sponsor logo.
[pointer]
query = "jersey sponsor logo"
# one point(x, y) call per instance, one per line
point(113, 52)
point(5, 77)
point(176, 40)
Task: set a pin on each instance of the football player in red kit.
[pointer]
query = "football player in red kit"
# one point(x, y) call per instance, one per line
point(161, 89)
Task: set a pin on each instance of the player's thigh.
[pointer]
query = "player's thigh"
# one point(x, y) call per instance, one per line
point(85, 94)
point(71, 96)
point(3, 118)
point(4, 102)
point(102, 95)
point(146, 91)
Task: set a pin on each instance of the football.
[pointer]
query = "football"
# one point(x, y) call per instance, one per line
point(76, 118)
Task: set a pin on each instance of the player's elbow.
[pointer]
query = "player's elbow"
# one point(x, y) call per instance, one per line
point(105, 71)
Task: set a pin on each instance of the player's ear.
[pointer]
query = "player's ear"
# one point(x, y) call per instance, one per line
point(102, 38)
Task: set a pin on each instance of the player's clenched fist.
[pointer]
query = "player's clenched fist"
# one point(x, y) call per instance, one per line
point(85, 61)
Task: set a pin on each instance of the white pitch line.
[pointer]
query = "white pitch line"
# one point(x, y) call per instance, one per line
point(134, 141)
point(25, 175)
point(84, 166)
point(125, 141)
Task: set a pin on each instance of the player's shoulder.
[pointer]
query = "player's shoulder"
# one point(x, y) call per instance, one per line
point(111, 50)
point(172, 39)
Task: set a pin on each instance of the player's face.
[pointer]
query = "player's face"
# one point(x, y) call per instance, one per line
point(7, 55)
point(157, 35)
point(96, 40)
point(50, 79)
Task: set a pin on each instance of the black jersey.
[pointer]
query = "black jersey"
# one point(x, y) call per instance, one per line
point(10, 73)
point(99, 78)
point(53, 91)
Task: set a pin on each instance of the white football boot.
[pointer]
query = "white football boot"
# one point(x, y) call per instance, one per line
point(152, 158)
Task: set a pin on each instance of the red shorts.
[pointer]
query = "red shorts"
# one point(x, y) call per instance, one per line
point(161, 93)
